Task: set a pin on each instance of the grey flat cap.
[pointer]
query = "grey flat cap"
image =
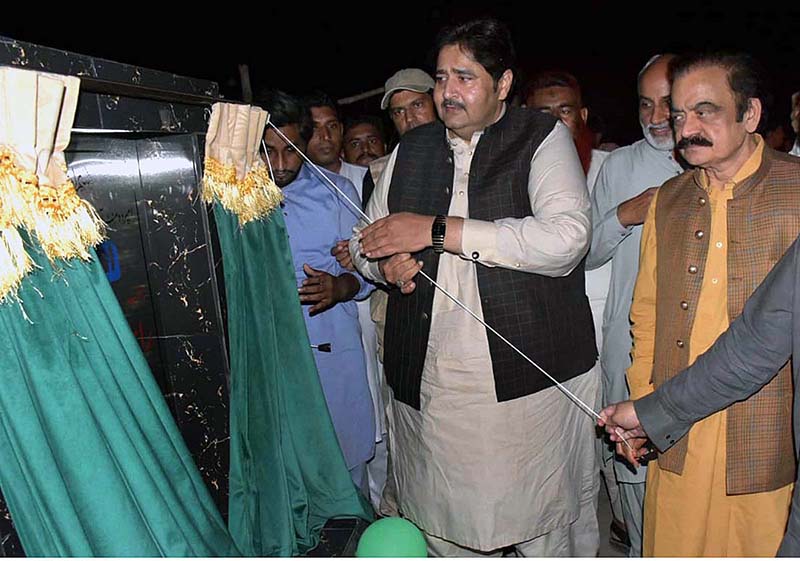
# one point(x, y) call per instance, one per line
point(412, 79)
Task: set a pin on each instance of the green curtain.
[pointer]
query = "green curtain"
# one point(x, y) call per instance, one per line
point(287, 475)
point(92, 461)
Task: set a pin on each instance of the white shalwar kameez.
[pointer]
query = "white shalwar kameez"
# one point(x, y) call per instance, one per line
point(472, 472)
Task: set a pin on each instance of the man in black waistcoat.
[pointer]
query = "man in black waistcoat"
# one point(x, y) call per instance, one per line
point(492, 204)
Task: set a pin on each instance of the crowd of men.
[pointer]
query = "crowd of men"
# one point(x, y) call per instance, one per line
point(612, 271)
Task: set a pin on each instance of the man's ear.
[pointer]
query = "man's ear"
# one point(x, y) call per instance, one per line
point(584, 114)
point(752, 116)
point(504, 84)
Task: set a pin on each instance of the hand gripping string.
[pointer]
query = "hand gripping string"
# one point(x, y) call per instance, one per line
point(575, 399)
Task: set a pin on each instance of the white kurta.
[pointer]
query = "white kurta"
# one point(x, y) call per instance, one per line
point(471, 470)
point(368, 336)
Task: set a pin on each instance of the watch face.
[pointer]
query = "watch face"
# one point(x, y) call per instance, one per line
point(439, 226)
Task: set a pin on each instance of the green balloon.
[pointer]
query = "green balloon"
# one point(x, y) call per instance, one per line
point(392, 537)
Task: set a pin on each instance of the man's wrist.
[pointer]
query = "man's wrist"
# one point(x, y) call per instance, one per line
point(438, 233)
point(620, 216)
point(347, 286)
point(427, 230)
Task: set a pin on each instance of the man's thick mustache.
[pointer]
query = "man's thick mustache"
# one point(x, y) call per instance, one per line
point(695, 140)
point(451, 103)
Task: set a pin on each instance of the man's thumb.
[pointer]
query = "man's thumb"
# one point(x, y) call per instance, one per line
point(310, 271)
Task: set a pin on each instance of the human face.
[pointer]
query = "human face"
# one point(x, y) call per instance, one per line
point(325, 146)
point(654, 106)
point(465, 95)
point(284, 160)
point(409, 110)
point(562, 103)
point(704, 119)
point(362, 144)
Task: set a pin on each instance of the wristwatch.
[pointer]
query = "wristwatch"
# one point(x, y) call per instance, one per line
point(438, 231)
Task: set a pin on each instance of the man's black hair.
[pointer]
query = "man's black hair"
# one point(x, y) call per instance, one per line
point(318, 98)
point(285, 109)
point(553, 79)
point(366, 120)
point(746, 77)
point(487, 40)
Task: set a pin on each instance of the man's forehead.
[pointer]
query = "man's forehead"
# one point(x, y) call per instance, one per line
point(654, 83)
point(323, 114)
point(706, 82)
point(408, 96)
point(554, 95)
point(362, 129)
point(291, 131)
point(455, 58)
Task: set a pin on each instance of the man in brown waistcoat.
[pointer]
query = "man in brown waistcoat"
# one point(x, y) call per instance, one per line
point(492, 204)
point(711, 236)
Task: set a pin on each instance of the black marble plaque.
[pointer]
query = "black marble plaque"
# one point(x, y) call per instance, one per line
point(142, 173)
point(159, 263)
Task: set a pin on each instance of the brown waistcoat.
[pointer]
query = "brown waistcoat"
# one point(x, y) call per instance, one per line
point(763, 221)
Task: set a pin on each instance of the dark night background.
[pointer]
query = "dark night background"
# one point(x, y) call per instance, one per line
point(347, 48)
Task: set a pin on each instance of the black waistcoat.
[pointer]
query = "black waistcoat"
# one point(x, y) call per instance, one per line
point(549, 319)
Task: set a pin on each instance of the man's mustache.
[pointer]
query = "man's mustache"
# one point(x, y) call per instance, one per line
point(695, 140)
point(447, 103)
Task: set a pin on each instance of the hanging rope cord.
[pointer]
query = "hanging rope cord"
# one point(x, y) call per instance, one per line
point(575, 399)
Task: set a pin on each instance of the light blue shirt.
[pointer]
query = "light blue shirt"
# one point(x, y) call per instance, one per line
point(625, 173)
point(316, 218)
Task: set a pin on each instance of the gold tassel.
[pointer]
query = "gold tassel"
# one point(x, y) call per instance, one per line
point(16, 190)
point(259, 194)
point(17, 187)
point(252, 198)
point(15, 262)
point(65, 225)
point(218, 179)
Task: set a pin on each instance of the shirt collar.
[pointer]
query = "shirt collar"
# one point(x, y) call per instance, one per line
point(456, 142)
point(748, 168)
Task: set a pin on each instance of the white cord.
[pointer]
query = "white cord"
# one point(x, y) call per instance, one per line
point(266, 155)
point(458, 302)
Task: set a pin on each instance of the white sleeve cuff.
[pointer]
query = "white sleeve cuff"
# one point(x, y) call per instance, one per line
point(479, 241)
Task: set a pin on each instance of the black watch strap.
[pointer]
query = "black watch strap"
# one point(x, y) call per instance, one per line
point(438, 231)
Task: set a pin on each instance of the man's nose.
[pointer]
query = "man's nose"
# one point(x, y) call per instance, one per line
point(660, 114)
point(324, 133)
point(689, 126)
point(449, 89)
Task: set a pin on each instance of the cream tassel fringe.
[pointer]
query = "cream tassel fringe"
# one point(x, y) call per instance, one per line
point(16, 189)
point(15, 263)
point(65, 225)
point(251, 198)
